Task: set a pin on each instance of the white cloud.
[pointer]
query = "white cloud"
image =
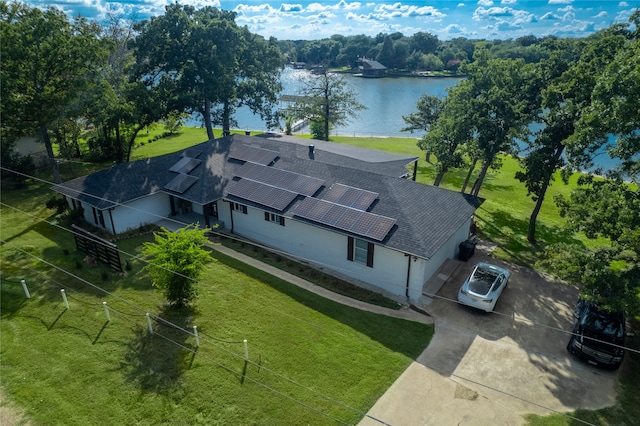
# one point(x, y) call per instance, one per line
point(398, 10)
point(601, 14)
point(199, 4)
point(507, 26)
point(560, 1)
point(348, 6)
point(550, 16)
point(491, 13)
point(341, 5)
point(245, 8)
point(509, 2)
point(322, 16)
point(485, 2)
point(524, 17)
point(285, 7)
point(623, 15)
point(623, 4)
point(460, 4)
point(454, 29)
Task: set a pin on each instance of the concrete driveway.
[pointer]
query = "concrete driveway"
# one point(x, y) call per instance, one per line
point(492, 368)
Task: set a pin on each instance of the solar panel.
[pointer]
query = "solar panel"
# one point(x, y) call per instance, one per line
point(362, 225)
point(259, 193)
point(181, 183)
point(294, 182)
point(253, 154)
point(185, 165)
point(380, 228)
point(350, 196)
point(356, 221)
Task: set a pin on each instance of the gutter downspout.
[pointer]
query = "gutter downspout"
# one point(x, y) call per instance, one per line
point(408, 274)
point(415, 170)
point(231, 213)
point(113, 227)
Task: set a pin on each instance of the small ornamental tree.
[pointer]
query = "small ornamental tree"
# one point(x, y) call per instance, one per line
point(176, 260)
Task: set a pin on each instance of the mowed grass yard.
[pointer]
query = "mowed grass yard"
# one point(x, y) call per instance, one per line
point(311, 361)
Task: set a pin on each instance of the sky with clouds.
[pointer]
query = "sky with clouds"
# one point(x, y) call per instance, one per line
point(478, 19)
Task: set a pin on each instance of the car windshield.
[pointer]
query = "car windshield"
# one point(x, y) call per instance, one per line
point(481, 280)
point(609, 325)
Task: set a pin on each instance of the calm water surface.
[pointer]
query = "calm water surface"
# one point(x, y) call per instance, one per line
point(386, 100)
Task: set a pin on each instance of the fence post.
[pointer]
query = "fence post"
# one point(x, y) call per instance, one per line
point(246, 350)
point(195, 333)
point(64, 297)
point(26, 290)
point(106, 311)
point(149, 323)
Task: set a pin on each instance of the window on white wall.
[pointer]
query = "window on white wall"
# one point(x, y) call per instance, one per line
point(360, 251)
point(275, 218)
point(98, 217)
point(239, 207)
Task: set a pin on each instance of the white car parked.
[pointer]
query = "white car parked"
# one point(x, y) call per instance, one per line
point(484, 286)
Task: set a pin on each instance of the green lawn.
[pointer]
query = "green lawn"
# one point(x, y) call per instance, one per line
point(312, 361)
point(504, 215)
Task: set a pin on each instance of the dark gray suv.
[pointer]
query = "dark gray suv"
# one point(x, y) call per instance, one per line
point(598, 335)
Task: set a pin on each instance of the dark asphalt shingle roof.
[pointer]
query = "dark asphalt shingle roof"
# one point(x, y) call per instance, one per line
point(426, 215)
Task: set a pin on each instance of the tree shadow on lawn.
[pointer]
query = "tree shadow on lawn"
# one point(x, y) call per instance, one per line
point(510, 233)
point(156, 362)
point(406, 337)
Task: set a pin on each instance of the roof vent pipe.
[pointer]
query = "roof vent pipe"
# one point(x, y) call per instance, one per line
point(311, 148)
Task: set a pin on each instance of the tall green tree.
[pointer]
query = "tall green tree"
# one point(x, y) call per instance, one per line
point(424, 42)
point(256, 83)
point(450, 129)
point(47, 64)
point(206, 64)
point(387, 54)
point(557, 93)
point(610, 207)
point(613, 114)
point(327, 99)
point(120, 106)
point(496, 106)
point(429, 108)
point(609, 275)
point(175, 262)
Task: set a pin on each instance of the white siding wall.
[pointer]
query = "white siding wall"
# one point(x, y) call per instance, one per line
point(139, 212)
point(422, 270)
point(328, 249)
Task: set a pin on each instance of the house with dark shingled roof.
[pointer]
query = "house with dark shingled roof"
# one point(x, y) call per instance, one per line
point(353, 212)
point(371, 68)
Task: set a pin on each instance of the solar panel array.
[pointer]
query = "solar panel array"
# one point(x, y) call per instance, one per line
point(290, 181)
point(266, 195)
point(181, 183)
point(348, 219)
point(185, 165)
point(350, 196)
point(253, 154)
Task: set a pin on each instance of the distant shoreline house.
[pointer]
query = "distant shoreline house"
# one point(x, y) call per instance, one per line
point(352, 211)
point(371, 68)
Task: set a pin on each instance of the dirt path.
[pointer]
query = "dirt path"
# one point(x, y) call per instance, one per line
point(10, 415)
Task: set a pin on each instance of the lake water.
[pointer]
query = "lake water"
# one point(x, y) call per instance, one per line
point(386, 100)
